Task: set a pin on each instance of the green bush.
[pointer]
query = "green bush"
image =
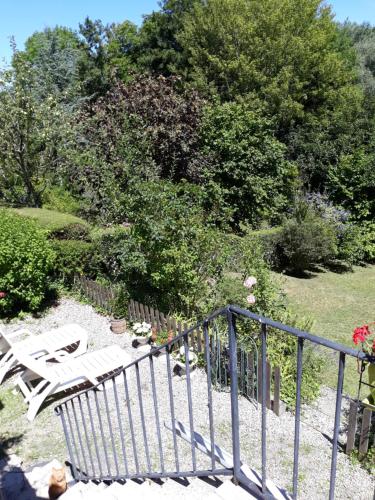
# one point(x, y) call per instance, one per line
point(59, 199)
point(26, 259)
point(73, 257)
point(307, 239)
point(59, 225)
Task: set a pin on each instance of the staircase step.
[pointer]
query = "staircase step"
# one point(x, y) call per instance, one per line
point(228, 491)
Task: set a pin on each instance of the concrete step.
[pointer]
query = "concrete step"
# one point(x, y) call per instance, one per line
point(188, 489)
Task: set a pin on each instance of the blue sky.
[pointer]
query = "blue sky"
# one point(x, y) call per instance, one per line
point(22, 17)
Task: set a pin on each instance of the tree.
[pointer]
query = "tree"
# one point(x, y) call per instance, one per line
point(54, 55)
point(250, 168)
point(122, 38)
point(158, 49)
point(30, 135)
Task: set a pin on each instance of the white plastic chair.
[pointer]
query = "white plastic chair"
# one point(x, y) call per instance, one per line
point(68, 340)
point(58, 377)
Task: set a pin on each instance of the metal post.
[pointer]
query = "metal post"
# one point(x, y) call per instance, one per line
point(234, 395)
point(264, 407)
point(340, 382)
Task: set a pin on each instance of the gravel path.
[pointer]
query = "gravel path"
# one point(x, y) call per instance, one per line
point(43, 439)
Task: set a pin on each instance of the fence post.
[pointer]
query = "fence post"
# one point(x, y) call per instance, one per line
point(352, 427)
point(276, 390)
point(365, 431)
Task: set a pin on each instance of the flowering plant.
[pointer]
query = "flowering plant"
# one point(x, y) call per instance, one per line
point(141, 327)
point(249, 283)
point(2, 295)
point(365, 336)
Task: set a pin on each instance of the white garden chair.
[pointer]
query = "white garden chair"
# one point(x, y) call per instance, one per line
point(58, 377)
point(68, 340)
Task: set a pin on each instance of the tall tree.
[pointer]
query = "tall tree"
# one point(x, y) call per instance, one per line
point(158, 49)
point(31, 131)
point(55, 55)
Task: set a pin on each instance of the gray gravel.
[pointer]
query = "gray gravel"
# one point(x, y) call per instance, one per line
point(316, 427)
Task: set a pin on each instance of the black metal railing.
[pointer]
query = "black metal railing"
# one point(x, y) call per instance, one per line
point(130, 425)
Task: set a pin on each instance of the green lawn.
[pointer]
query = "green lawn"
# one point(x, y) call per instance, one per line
point(337, 303)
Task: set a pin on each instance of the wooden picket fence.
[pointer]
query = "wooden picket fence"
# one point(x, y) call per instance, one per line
point(359, 433)
point(101, 295)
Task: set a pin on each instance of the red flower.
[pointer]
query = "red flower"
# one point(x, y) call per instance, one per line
point(2, 295)
point(359, 334)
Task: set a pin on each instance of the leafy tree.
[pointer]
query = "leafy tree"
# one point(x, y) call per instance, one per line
point(352, 184)
point(122, 38)
point(250, 168)
point(54, 55)
point(30, 135)
point(158, 49)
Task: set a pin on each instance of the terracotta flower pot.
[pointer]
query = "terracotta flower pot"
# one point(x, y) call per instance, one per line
point(118, 325)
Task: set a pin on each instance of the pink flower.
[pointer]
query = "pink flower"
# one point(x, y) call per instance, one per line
point(251, 299)
point(2, 295)
point(250, 282)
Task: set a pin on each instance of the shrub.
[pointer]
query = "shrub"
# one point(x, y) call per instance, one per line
point(73, 257)
point(26, 260)
point(307, 239)
point(58, 198)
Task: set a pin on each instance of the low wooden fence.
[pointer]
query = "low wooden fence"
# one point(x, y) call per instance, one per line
point(361, 429)
point(101, 295)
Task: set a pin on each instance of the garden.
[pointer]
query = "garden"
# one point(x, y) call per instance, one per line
point(192, 163)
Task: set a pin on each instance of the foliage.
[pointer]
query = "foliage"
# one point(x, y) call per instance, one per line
point(30, 135)
point(307, 239)
point(59, 199)
point(54, 55)
point(26, 259)
point(352, 184)
point(250, 166)
point(59, 225)
point(170, 255)
point(73, 257)
point(158, 49)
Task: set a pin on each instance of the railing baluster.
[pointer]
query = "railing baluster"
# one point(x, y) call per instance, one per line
point(131, 423)
point(154, 395)
point(234, 394)
point(171, 403)
point(94, 433)
point(74, 443)
point(190, 401)
point(110, 428)
point(79, 438)
point(340, 381)
point(264, 407)
point(69, 445)
point(142, 414)
point(120, 426)
point(209, 390)
point(297, 418)
point(102, 433)
point(86, 434)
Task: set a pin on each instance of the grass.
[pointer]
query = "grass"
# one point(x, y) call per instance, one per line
point(337, 303)
point(30, 440)
point(51, 220)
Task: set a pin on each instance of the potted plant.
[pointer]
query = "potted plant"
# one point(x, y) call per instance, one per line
point(366, 337)
point(142, 333)
point(180, 367)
